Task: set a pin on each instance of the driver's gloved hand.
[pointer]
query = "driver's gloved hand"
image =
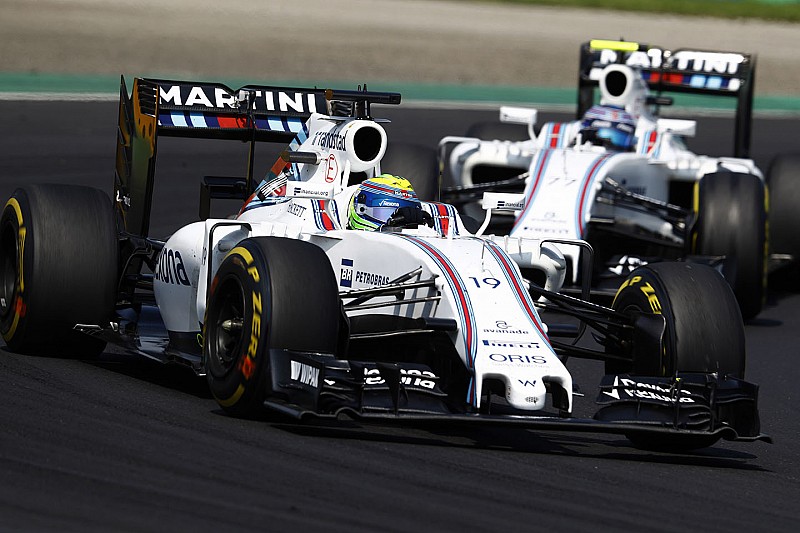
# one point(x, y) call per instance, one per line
point(409, 217)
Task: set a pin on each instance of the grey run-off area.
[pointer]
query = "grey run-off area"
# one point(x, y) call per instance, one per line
point(403, 41)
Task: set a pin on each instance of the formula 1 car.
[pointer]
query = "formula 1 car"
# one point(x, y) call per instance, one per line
point(284, 308)
point(623, 178)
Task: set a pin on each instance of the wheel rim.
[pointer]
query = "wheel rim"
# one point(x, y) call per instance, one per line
point(227, 319)
point(8, 284)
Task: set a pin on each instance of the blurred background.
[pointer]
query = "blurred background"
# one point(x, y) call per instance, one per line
point(514, 50)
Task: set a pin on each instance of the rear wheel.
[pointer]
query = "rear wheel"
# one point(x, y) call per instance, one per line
point(416, 163)
point(269, 292)
point(704, 331)
point(732, 222)
point(783, 180)
point(59, 269)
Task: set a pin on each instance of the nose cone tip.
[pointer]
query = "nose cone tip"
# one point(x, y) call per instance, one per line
point(525, 394)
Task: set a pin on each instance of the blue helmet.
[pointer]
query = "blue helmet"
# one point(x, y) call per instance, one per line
point(377, 199)
point(609, 126)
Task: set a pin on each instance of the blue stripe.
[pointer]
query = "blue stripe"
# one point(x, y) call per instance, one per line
point(179, 120)
point(198, 120)
point(515, 281)
point(165, 119)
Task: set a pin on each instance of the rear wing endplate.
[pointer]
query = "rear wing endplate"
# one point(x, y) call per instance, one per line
point(730, 74)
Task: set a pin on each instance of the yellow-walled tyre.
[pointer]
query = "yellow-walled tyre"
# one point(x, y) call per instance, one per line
point(269, 293)
point(58, 251)
point(704, 330)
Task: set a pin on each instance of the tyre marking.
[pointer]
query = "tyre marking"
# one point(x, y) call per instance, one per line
point(650, 294)
point(647, 289)
point(19, 304)
point(233, 399)
point(247, 363)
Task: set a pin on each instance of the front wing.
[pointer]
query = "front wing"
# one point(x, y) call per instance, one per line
point(310, 387)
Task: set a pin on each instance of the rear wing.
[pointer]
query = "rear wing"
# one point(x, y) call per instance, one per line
point(251, 113)
point(730, 74)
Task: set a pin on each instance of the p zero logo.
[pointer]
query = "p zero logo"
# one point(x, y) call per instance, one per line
point(652, 299)
point(647, 289)
point(247, 364)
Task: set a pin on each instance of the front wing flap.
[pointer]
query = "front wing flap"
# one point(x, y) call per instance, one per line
point(313, 386)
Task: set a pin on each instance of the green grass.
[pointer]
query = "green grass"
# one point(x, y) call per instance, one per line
point(779, 10)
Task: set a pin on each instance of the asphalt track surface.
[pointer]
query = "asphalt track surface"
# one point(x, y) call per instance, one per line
point(122, 444)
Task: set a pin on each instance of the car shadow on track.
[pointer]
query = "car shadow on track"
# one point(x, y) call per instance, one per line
point(584, 445)
point(172, 376)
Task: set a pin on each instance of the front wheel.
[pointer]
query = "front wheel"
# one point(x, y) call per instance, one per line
point(269, 293)
point(704, 331)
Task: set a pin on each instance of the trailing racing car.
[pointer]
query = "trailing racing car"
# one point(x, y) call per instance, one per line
point(622, 177)
point(335, 291)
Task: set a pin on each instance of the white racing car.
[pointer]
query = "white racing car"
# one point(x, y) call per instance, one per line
point(285, 307)
point(622, 177)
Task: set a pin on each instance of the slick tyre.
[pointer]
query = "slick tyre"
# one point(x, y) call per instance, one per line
point(783, 180)
point(732, 222)
point(59, 268)
point(704, 332)
point(703, 326)
point(418, 164)
point(269, 293)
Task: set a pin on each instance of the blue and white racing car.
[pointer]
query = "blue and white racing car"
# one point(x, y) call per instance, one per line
point(621, 177)
point(286, 307)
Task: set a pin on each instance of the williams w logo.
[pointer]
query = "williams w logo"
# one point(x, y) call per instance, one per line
point(305, 374)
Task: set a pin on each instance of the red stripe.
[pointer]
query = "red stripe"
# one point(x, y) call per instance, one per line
point(539, 171)
point(512, 276)
point(589, 180)
point(232, 122)
point(462, 299)
point(326, 220)
point(651, 142)
point(444, 220)
point(554, 135)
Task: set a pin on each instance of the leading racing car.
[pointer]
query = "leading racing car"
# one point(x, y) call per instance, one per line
point(335, 291)
point(622, 177)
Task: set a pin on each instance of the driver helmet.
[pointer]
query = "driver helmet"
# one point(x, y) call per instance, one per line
point(609, 126)
point(377, 199)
